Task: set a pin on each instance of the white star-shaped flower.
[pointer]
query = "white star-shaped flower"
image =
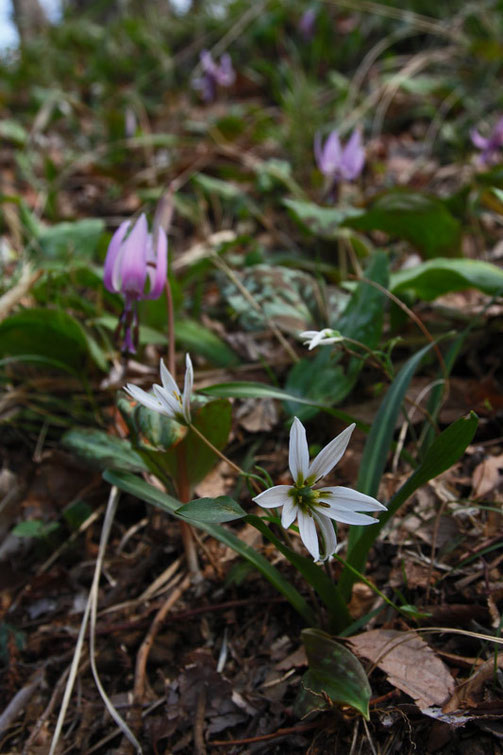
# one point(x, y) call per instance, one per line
point(313, 338)
point(167, 399)
point(316, 507)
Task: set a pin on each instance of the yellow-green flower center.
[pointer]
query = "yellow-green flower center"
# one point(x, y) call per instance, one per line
point(304, 496)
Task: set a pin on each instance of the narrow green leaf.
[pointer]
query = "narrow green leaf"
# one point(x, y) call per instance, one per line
point(314, 575)
point(441, 276)
point(145, 492)
point(199, 340)
point(334, 673)
point(221, 509)
point(445, 450)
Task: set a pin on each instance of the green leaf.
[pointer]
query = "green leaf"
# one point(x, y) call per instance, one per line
point(213, 420)
point(441, 276)
point(145, 492)
point(423, 220)
point(315, 575)
point(197, 339)
point(321, 378)
point(75, 241)
point(445, 450)
point(102, 450)
point(334, 673)
point(49, 333)
point(151, 431)
point(12, 131)
point(379, 440)
point(221, 509)
point(324, 222)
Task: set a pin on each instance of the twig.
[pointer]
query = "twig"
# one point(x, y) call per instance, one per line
point(266, 737)
point(199, 746)
point(13, 296)
point(19, 700)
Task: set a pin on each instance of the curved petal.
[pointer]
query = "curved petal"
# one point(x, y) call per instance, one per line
point(308, 534)
point(169, 403)
point(330, 455)
point(144, 398)
point(353, 157)
point(298, 453)
point(168, 382)
point(332, 154)
point(351, 500)
point(328, 535)
point(187, 388)
point(348, 517)
point(289, 513)
point(478, 140)
point(158, 273)
point(274, 497)
point(133, 260)
point(113, 253)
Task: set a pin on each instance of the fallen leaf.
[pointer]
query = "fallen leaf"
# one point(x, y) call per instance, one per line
point(411, 665)
point(467, 694)
point(487, 476)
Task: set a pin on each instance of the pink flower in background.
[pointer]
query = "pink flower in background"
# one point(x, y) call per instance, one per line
point(340, 163)
point(307, 24)
point(491, 145)
point(136, 266)
point(214, 75)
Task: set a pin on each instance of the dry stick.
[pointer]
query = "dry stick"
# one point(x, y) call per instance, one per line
point(183, 487)
point(143, 653)
point(199, 746)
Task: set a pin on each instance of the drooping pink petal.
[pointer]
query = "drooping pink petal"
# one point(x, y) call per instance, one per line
point(131, 265)
point(331, 156)
point(113, 252)
point(353, 157)
point(158, 273)
point(478, 140)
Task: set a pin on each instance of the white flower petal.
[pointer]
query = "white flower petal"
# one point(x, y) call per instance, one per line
point(328, 535)
point(330, 455)
point(144, 398)
point(171, 407)
point(187, 388)
point(168, 382)
point(298, 456)
point(352, 500)
point(274, 497)
point(289, 513)
point(348, 517)
point(308, 534)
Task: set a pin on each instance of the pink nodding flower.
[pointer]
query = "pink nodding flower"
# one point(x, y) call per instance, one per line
point(136, 266)
point(340, 163)
point(214, 75)
point(490, 146)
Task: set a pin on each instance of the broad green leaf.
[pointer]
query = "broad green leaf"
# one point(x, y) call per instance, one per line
point(441, 276)
point(197, 339)
point(150, 430)
point(35, 528)
point(49, 333)
point(423, 220)
point(324, 222)
point(145, 492)
point(334, 673)
point(221, 509)
point(12, 131)
point(102, 450)
point(213, 420)
point(70, 241)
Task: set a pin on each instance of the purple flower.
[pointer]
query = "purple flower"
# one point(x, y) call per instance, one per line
point(137, 270)
point(338, 163)
point(214, 74)
point(490, 146)
point(307, 23)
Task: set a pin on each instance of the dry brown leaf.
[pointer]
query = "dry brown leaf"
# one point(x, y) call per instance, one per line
point(409, 662)
point(487, 476)
point(468, 694)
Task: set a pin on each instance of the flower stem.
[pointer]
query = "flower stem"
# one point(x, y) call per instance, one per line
point(184, 495)
point(171, 330)
point(223, 457)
